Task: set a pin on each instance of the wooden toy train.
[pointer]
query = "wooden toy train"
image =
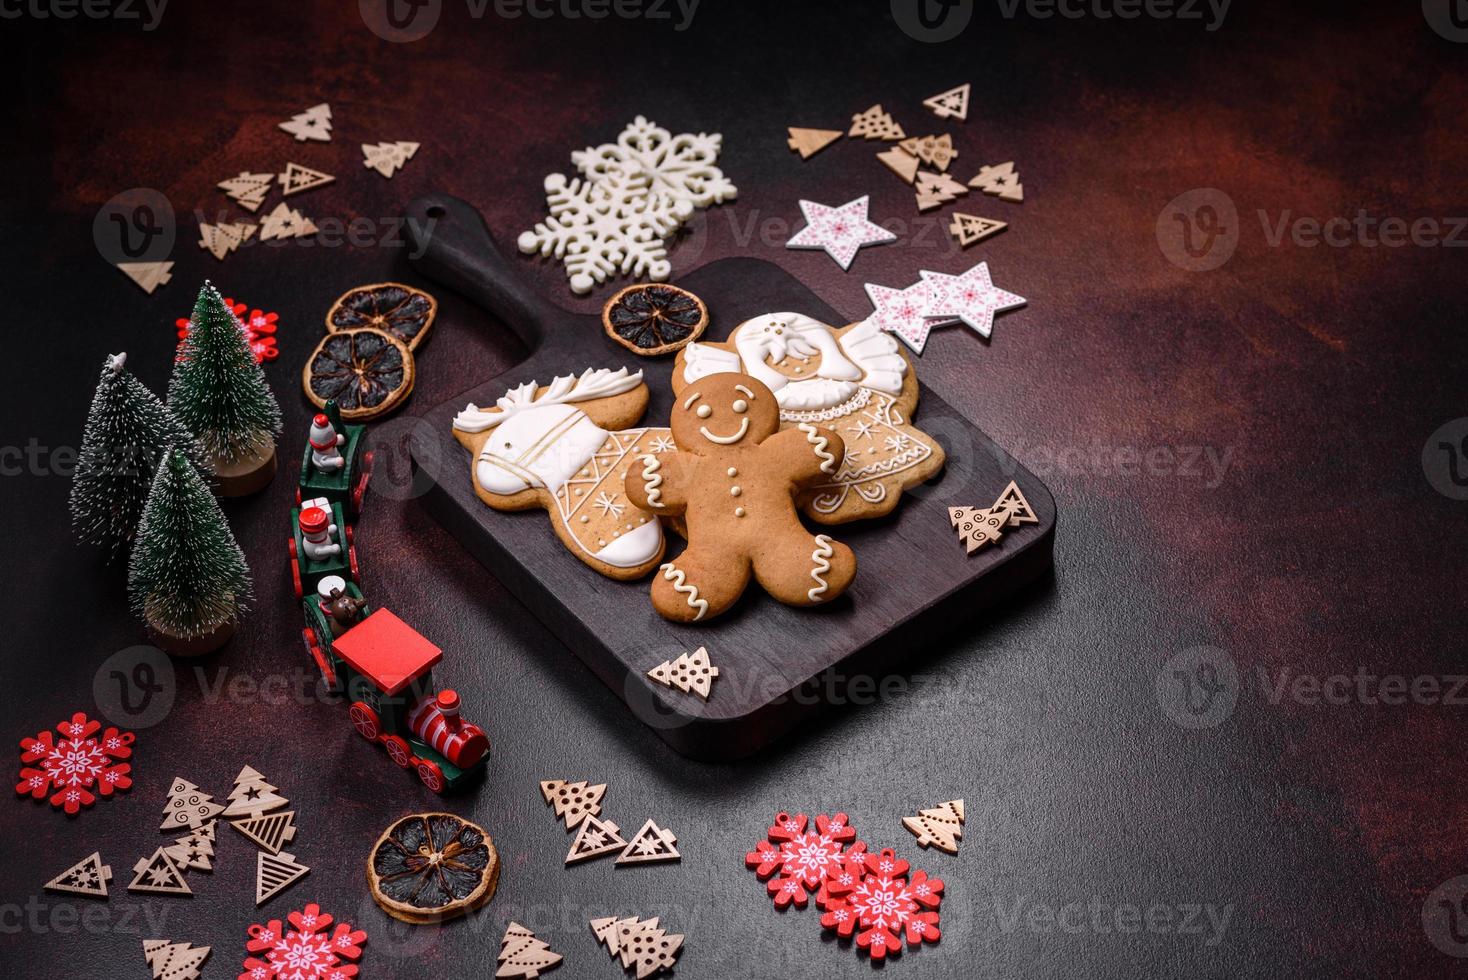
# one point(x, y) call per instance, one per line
point(381, 664)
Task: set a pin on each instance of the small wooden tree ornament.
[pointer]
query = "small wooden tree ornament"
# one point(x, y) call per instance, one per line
point(596, 838)
point(690, 673)
point(875, 124)
point(935, 151)
point(174, 961)
point(1001, 181)
point(188, 806)
point(286, 222)
point(298, 178)
point(313, 124)
point(940, 826)
point(574, 802)
point(900, 162)
point(952, 104)
point(809, 142)
point(1020, 511)
point(221, 239)
point(275, 873)
point(194, 851)
point(89, 876)
point(247, 190)
point(252, 796)
point(148, 275)
point(387, 158)
point(978, 526)
point(970, 229)
point(935, 190)
point(159, 875)
point(651, 843)
point(523, 955)
point(271, 831)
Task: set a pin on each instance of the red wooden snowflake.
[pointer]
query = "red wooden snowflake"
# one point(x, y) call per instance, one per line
point(72, 767)
point(259, 329)
point(304, 952)
point(795, 859)
point(887, 905)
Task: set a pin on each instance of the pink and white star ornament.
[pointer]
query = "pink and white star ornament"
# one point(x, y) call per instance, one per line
point(839, 231)
point(900, 311)
point(970, 297)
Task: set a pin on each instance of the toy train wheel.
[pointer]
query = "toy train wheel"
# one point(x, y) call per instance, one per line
point(365, 721)
point(291, 546)
point(308, 635)
point(397, 750)
point(431, 775)
point(352, 561)
point(349, 534)
point(296, 577)
point(298, 496)
point(364, 470)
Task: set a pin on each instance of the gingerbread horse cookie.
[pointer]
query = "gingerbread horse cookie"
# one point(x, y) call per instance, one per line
point(566, 448)
point(854, 380)
point(734, 480)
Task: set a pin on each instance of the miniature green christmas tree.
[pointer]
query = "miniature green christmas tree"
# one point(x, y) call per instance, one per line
point(187, 578)
point(219, 393)
point(128, 429)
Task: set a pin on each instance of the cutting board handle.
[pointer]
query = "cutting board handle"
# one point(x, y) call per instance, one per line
point(452, 245)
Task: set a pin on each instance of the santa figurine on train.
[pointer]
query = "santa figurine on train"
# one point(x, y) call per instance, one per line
point(325, 442)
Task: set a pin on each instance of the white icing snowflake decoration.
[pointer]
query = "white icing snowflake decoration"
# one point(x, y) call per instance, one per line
point(681, 166)
point(611, 226)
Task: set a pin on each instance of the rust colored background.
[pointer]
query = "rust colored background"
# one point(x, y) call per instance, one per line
point(1314, 545)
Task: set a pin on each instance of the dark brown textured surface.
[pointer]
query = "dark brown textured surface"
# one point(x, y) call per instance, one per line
point(1322, 549)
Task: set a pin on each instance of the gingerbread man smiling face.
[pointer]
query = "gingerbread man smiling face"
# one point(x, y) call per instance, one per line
point(734, 479)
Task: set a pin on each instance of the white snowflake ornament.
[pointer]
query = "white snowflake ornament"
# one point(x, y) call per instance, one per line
point(599, 229)
point(682, 166)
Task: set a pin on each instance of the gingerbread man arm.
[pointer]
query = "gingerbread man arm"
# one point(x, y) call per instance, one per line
point(658, 482)
point(812, 452)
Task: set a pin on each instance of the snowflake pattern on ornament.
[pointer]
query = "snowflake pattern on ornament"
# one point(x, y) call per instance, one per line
point(71, 768)
point(839, 231)
point(681, 167)
point(795, 859)
point(305, 951)
point(598, 229)
point(970, 297)
point(886, 906)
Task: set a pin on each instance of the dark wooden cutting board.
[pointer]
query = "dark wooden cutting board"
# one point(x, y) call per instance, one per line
point(777, 664)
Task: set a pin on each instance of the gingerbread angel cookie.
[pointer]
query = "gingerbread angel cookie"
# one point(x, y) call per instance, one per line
point(565, 447)
point(734, 478)
point(853, 380)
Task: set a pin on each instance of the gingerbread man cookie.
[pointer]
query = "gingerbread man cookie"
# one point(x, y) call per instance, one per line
point(734, 479)
point(854, 380)
point(564, 447)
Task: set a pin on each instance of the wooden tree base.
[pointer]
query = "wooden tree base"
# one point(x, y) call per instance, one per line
point(192, 646)
point(244, 476)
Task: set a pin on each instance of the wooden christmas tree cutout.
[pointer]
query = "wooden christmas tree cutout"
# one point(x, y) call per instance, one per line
point(274, 874)
point(900, 162)
point(978, 526)
point(387, 158)
point(159, 875)
point(638, 944)
point(935, 151)
point(651, 843)
point(272, 831)
point(935, 190)
point(252, 796)
point(188, 807)
point(809, 142)
point(313, 124)
point(573, 801)
point(691, 672)
point(148, 275)
point(596, 837)
point(174, 961)
point(298, 178)
point(1020, 511)
point(523, 955)
point(285, 222)
point(221, 239)
point(970, 229)
point(940, 826)
point(1001, 181)
point(89, 876)
point(247, 190)
point(193, 852)
point(952, 104)
point(875, 124)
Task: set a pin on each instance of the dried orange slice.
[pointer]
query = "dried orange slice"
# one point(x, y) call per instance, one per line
point(368, 372)
point(429, 867)
point(654, 318)
point(402, 311)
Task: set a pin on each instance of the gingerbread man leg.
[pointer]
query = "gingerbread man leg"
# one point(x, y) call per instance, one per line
point(816, 572)
point(698, 585)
